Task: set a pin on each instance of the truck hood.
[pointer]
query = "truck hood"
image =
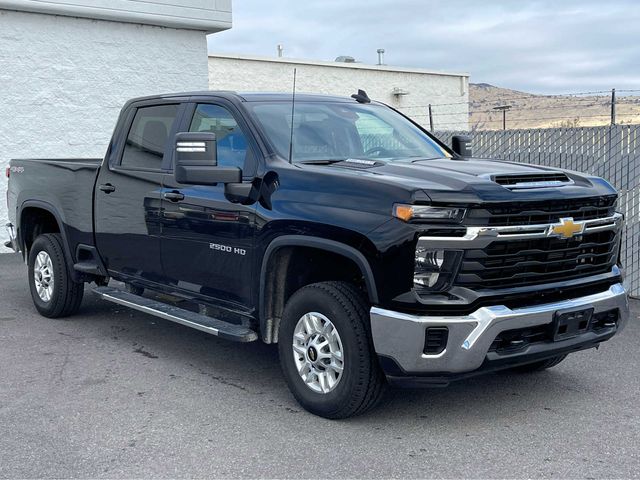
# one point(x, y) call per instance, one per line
point(472, 180)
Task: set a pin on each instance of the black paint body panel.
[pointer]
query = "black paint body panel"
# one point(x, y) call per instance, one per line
point(179, 247)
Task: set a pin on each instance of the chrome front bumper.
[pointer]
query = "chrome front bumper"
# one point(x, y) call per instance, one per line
point(401, 336)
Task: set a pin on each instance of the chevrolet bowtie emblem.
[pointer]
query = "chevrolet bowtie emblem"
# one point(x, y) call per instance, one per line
point(567, 228)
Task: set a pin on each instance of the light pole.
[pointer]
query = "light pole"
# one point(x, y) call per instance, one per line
point(504, 109)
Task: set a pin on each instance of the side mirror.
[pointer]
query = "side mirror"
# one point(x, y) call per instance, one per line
point(461, 144)
point(196, 161)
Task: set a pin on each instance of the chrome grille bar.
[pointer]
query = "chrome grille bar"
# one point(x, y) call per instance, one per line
point(485, 235)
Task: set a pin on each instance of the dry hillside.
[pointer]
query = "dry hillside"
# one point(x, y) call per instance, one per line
point(546, 111)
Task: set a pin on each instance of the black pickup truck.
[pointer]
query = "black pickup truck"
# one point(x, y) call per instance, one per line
point(338, 228)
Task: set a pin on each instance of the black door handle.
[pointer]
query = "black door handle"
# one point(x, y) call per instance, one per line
point(174, 196)
point(107, 188)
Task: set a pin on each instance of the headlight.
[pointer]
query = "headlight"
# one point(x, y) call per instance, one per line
point(428, 213)
point(434, 268)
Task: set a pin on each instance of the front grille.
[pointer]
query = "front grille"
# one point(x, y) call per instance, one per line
point(517, 263)
point(532, 213)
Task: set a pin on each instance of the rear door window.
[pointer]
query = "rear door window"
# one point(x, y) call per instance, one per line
point(148, 137)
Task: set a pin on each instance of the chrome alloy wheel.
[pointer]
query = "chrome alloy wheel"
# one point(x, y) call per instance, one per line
point(43, 276)
point(318, 352)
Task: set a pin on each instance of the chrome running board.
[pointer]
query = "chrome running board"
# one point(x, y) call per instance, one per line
point(213, 326)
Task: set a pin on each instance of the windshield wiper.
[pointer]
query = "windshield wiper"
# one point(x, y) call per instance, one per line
point(421, 159)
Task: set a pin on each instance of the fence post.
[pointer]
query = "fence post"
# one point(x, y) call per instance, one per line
point(613, 106)
point(430, 118)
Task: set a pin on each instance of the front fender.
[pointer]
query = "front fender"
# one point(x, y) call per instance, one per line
point(320, 243)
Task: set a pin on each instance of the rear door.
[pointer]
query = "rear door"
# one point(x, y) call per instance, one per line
point(207, 241)
point(128, 192)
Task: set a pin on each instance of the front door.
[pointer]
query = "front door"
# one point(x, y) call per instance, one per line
point(128, 195)
point(207, 241)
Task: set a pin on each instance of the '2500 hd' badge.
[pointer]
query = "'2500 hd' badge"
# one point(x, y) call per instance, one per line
point(227, 249)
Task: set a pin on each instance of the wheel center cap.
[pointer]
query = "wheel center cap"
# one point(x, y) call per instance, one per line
point(312, 353)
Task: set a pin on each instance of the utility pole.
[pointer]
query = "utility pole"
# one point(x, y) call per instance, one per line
point(430, 118)
point(503, 109)
point(613, 106)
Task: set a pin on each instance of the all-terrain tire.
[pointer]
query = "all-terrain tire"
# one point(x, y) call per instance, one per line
point(65, 295)
point(362, 382)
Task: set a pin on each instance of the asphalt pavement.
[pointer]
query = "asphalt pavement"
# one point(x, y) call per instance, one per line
point(112, 393)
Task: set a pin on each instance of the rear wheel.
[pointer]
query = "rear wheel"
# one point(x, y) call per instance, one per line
point(53, 291)
point(539, 366)
point(326, 352)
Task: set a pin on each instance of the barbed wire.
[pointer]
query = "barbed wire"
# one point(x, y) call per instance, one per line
point(554, 96)
point(541, 118)
point(518, 120)
point(519, 109)
point(580, 106)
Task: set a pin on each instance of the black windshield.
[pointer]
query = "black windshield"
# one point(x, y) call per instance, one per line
point(340, 131)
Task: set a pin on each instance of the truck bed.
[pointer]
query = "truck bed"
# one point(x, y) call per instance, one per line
point(65, 184)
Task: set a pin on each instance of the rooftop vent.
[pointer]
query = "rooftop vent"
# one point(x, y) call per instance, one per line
point(345, 59)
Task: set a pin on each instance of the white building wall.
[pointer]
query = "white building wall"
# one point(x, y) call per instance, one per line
point(63, 81)
point(448, 92)
point(207, 15)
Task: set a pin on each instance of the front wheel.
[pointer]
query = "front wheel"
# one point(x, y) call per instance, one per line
point(53, 291)
point(326, 352)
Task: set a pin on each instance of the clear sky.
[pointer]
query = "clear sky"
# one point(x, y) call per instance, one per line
point(539, 46)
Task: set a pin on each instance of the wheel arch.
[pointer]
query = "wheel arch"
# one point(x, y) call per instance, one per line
point(269, 311)
point(49, 216)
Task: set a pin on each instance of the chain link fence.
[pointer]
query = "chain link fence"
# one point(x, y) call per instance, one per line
point(611, 152)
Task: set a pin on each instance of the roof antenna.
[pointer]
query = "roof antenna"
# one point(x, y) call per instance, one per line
point(361, 97)
point(293, 111)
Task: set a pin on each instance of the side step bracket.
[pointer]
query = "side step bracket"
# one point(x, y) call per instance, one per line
point(226, 330)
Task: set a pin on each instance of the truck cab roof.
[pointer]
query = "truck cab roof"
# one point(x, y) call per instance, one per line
point(248, 96)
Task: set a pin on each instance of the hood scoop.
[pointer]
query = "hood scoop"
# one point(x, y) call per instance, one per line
point(532, 180)
point(359, 163)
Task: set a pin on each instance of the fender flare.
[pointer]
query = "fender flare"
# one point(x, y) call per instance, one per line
point(42, 205)
point(322, 244)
